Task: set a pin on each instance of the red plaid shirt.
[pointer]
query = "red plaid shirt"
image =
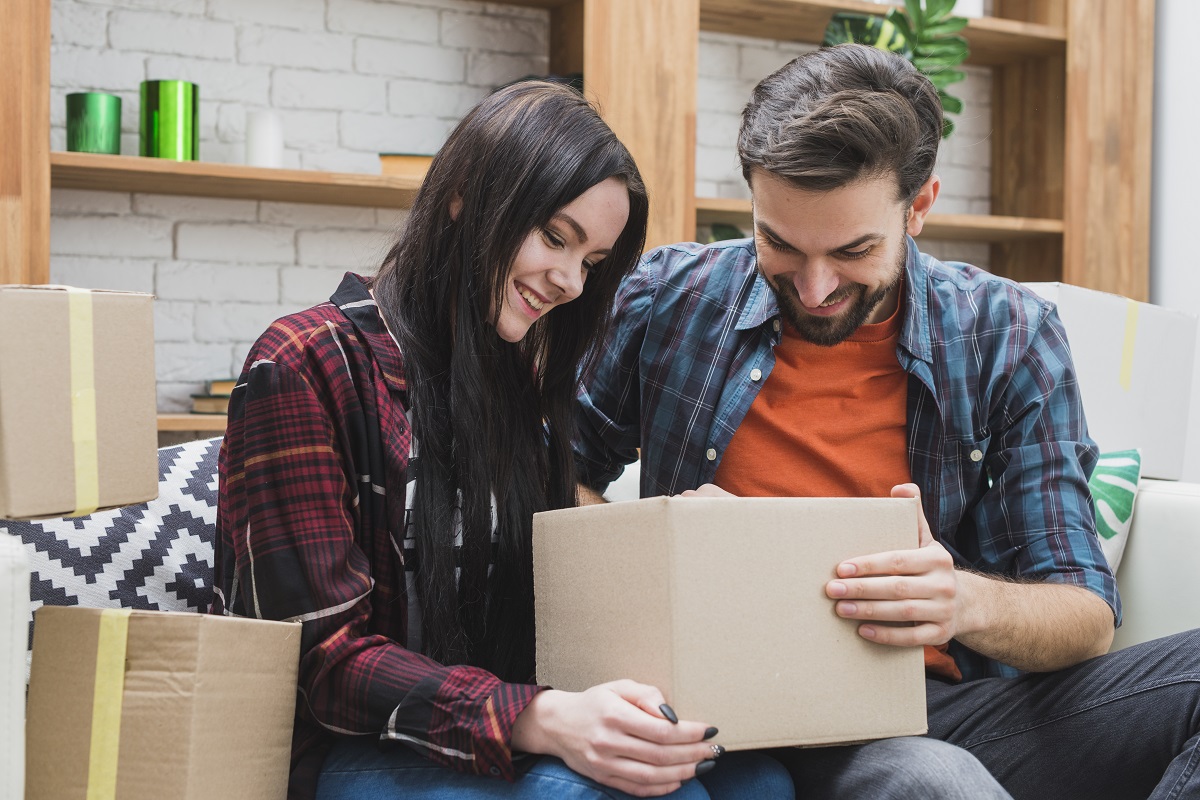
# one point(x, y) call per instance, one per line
point(309, 529)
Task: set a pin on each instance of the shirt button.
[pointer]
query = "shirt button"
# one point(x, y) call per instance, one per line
point(777, 325)
point(494, 770)
point(712, 454)
point(755, 374)
point(977, 455)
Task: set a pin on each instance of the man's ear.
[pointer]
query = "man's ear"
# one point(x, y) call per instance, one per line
point(456, 204)
point(921, 205)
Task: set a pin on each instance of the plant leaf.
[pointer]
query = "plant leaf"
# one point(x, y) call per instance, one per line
point(950, 103)
point(946, 27)
point(897, 18)
point(942, 79)
point(916, 15)
point(947, 127)
point(936, 10)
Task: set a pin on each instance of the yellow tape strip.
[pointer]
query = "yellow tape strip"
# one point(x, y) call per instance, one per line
point(83, 402)
point(1131, 322)
point(106, 704)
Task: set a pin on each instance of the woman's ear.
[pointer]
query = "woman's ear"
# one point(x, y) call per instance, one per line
point(456, 204)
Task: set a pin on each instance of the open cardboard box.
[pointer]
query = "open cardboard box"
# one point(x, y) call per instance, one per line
point(720, 603)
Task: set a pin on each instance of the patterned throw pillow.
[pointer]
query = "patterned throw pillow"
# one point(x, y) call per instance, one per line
point(156, 555)
point(1114, 487)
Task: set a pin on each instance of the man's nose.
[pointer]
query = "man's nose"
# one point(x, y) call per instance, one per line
point(814, 283)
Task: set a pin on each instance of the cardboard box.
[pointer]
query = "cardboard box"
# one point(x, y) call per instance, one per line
point(14, 639)
point(78, 426)
point(1134, 362)
point(145, 705)
point(720, 603)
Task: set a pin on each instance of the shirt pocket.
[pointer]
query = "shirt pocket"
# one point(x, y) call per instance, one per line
point(967, 456)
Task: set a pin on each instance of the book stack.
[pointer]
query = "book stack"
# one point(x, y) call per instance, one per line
point(215, 399)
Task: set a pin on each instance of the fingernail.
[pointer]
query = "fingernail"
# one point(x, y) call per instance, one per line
point(867, 631)
point(846, 609)
point(718, 750)
point(847, 570)
point(705, 766)
point(711, 732)
point(836, 589)
point(669, 713)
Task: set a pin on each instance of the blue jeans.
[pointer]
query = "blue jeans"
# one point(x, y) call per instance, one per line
point(358, 769)
point(1123, 725)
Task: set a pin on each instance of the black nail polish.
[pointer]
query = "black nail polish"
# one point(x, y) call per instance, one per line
point(718, 751)
point(704, 767)
point(711, 732)
point(669, 713)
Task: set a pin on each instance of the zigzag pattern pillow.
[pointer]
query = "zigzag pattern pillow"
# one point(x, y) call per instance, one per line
point(156, 555)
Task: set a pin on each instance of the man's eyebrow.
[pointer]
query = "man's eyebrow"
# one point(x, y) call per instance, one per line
point(580, 233)
point(866, 237)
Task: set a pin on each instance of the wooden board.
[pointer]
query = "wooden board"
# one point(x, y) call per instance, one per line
point(951, 227)
point(204, 179)
point(193, 422)
point(993, 41)
point(24, 141)
point(640, 65)
point(1110, 83)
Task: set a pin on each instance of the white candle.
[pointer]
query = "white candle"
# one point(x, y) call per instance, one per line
point(264, 139)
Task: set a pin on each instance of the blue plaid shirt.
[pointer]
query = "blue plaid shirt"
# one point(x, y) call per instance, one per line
point(996, 434)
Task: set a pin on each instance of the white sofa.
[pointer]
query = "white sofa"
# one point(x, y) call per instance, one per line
point(1159, 570)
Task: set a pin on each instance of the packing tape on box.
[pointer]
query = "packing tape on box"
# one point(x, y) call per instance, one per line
point(1131, 323)
point(83, 402)
point(106, 704)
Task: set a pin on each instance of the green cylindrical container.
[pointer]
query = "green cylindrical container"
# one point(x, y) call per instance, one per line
point(170, 120)
point(94, 123)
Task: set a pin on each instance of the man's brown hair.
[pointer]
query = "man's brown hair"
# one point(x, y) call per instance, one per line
point(839, 114)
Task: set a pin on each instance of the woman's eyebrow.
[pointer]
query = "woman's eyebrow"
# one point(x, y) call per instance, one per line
point(580, 233)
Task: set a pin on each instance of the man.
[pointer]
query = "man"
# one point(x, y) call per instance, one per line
point(828, 356)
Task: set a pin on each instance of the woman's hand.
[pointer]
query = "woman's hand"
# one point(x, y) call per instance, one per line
point(615, 734)
point(707, 490)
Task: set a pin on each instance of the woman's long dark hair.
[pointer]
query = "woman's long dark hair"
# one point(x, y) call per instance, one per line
point(490, 416)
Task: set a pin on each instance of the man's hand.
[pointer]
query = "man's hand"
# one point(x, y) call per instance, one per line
point(1035, 627)
point(911, 586)
point(707, 490)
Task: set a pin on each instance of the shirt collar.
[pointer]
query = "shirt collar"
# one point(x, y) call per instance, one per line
point(353, 299)
point(914, 336)
point(761, 306)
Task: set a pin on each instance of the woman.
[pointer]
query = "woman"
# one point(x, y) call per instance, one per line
point(386, 452)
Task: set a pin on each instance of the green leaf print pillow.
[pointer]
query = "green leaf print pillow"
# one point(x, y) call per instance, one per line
point(1114, 487)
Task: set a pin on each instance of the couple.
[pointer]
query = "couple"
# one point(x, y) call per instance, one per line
point(386, 452)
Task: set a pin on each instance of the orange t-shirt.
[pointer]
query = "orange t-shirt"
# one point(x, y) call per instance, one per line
point(829, 422)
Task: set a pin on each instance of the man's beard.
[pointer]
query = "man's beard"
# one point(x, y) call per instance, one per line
point(828, 331)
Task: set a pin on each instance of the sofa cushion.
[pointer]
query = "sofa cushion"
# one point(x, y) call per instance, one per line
point(1114, 486)
point(156, 555)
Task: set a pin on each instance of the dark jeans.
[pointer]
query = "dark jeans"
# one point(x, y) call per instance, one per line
point(1124, 725)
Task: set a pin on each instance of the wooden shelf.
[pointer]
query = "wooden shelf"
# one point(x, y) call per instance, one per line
point(993, 40)
point(192, 422)
point(203, 179)
point(957, 227)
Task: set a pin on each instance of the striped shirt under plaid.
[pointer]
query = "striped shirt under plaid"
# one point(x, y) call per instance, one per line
point(996, 434)
point(310, 529)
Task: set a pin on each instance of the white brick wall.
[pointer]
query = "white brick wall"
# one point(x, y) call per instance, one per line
point(349, 78)
point(729, 68)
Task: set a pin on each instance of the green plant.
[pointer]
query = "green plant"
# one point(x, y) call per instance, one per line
point(924, 33)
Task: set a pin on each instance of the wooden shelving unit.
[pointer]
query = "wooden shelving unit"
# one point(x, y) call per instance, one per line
point(1072, 101)
point(203, 179)
point(959, 227)
point(208, 423)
